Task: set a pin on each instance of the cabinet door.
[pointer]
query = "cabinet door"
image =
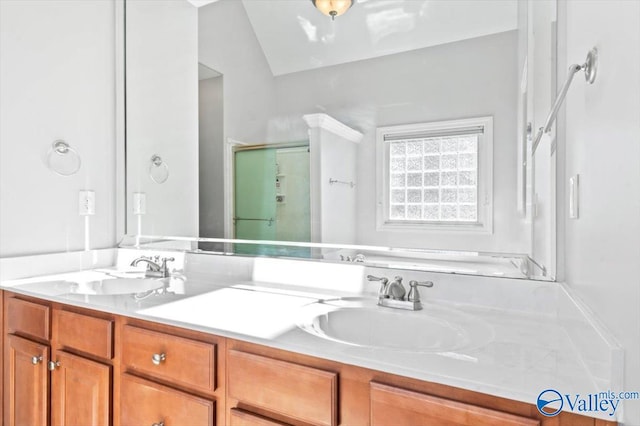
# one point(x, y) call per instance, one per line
point(79, 391)
point(146, 403)
point(26, 382)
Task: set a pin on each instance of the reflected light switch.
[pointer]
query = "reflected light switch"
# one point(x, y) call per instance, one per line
point(573, 197)
point(87, 203)
point(139, 203)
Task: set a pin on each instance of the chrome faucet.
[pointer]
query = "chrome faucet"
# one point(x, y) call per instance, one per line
point(392, 294)
point(395, 290)
point(154, 269)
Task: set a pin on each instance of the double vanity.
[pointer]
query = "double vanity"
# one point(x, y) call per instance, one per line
point(209, 339)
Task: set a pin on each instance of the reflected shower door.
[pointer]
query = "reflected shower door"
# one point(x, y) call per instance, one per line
point(272, 200)
point(255, 194)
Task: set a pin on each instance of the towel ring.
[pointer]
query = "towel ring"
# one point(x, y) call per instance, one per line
point(62, 159)
point(158, 169)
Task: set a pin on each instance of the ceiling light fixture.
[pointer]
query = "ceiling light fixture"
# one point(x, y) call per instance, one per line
point(332, 8)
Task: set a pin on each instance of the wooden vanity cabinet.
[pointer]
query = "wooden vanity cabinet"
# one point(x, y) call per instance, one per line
point(270, 387)
point(115, 370)
point(26, 353)
point(54, 372)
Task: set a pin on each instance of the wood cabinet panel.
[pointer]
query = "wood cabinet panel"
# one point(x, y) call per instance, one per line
point(84, 333)
point(145, 403)
point(178, 360)
point(26, 382)
point(80, 391)
point(28, 318)
point(299, 392)
point(392, 405)
point(243, 418)
point(1, 357)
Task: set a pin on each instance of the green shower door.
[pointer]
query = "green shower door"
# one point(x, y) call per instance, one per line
point(255, 194)
point(272, 199)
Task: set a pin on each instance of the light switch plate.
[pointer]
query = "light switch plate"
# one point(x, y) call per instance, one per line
point(574, 197)
point(139, 203)
point(87, 203)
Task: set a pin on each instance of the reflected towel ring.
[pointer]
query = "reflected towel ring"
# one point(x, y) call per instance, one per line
point(62, 159)
point(158, 170)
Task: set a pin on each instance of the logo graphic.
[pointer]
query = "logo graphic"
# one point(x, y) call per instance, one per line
point(546, 398)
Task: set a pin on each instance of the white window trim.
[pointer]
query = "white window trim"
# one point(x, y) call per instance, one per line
point(485, 178)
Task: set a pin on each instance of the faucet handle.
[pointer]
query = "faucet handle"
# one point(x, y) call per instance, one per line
point(383, 283)
point(414, 294)
point(164, 267)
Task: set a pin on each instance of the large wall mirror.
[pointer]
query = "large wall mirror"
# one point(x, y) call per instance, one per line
point(398, 124)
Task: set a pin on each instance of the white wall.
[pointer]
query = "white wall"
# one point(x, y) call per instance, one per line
point(228, 44)
point(211, 139)
point(472, 78)
point(57, 81)
point(162, 65)
point(602, 146)
point(333, 148)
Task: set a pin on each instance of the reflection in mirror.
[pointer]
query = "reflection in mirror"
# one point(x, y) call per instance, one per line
point(289, 126)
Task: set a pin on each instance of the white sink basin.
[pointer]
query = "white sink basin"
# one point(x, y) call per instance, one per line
point(360, 322)
point(117, 286)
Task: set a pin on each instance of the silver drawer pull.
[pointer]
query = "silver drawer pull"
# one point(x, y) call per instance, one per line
point(157, 359)
point(158, 424)
point(35, 360)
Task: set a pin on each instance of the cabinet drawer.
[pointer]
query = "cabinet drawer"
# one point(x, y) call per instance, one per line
point(244, 418)
point(146, 403)
point(174, 359)
point(84, 333)
point(392, 405)
point(299, 392)
point(28, 318)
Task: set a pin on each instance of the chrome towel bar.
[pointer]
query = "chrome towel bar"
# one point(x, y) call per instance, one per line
point(590, 68)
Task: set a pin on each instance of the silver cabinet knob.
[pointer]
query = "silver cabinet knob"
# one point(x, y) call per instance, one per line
point(35, 360)
point(158, 424)
point(157, 359)
point(52, 365)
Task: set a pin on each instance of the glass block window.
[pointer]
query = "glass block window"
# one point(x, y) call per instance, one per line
point(434, 179)
point(436, 174)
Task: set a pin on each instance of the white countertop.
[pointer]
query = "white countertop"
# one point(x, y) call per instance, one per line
point(523, 353)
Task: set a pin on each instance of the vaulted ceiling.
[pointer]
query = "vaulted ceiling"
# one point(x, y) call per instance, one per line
point(295, 36)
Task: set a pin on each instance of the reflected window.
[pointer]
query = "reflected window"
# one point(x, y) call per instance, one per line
point(436, 175)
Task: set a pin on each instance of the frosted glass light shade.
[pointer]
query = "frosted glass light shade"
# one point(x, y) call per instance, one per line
point(332, 8)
